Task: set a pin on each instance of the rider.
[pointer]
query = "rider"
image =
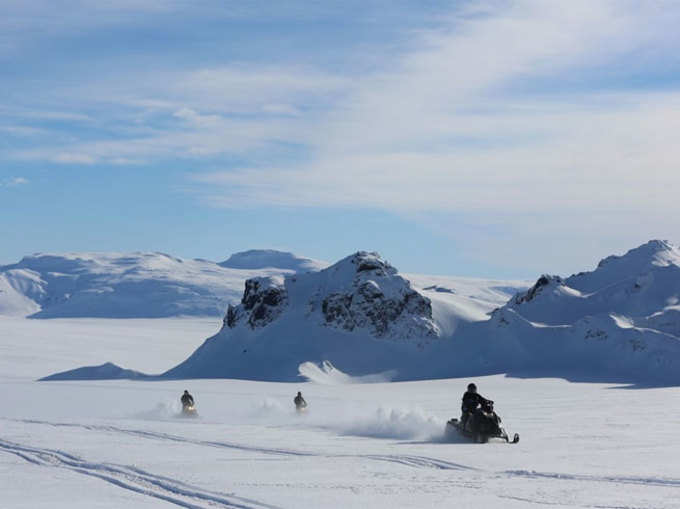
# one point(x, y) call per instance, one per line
point(472, 400)
point(299, 401)
point(187, 399)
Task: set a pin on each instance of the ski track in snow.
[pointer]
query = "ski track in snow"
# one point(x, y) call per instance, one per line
point(407, 460)
point(133, 479)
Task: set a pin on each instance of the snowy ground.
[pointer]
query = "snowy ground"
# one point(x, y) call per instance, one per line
point(119, 443)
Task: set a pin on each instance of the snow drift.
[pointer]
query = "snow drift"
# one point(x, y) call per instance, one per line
point(327, 374)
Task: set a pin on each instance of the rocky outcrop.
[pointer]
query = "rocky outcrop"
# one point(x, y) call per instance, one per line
point(363, 291)
point(544, 282)
point(375, 298)
point(263, 301)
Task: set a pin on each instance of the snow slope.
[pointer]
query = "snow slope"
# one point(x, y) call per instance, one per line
point(14, 286)
point(130, 285)
point(112, 444)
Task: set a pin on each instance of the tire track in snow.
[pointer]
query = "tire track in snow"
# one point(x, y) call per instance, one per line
point(407, 460)
point(133, 479)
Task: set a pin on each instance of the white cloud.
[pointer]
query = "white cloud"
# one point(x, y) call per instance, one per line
point(195, 119)
point(446, 131)
point(22, 130)
point(448, 127)
point(437, 132)
point(216, 111)
point(281, 109)
point(73, 158)
point(13, 182)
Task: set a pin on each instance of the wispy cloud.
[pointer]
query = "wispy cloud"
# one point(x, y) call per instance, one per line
point(193, 113)
point(73, 158)
point(444, 129)
point(487, 119)
point(501, 110)
point(13, 182)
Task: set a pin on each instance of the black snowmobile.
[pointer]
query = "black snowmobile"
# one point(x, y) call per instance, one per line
point(189, 411)
point(188, 405)
point(481, 426)
point(300, 403)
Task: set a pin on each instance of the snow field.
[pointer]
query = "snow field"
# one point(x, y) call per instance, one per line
point(119, 443)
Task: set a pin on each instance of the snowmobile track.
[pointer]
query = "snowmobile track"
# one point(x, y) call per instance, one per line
point(407, 460)
point(414, 461)
point(646, 481)
point(134, 479)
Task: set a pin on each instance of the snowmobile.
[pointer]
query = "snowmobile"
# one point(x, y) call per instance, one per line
point(300, 403)
point(481, 426)
point(189, 411)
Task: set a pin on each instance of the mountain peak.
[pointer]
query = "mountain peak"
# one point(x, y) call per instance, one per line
point(637, 261)
point(253, 259)
point(364, 261)
point(657, 252)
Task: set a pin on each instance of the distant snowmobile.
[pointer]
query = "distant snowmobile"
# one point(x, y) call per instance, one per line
point(300, 403)
point(483, 425)
point(188, 405)
point(189, 411)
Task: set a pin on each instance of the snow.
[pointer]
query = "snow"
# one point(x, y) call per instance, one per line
point(117, 443)
point(130, 285)
point(13, 301)
point(607, 441)
point(270, 258)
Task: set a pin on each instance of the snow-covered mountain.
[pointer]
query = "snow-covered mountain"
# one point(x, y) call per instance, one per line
point(152, 285)
point(269, 258)
point(347, 313)
point(619, 322)
point(132, 285)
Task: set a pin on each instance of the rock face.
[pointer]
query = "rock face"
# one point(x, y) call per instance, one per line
point(378, 300)
point(264, 299)
point(542, 284)
point(362, 291)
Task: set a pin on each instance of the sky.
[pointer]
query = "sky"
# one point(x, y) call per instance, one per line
point(489, 138)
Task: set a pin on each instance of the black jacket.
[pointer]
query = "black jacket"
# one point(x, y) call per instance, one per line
point(300, 401)
point(187, 400)
point(472, 401)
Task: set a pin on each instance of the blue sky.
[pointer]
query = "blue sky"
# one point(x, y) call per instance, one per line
point(500, 139)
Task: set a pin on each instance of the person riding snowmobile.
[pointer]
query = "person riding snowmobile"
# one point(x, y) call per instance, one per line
point(300, 402)
point(187, 399)
point(472, 402)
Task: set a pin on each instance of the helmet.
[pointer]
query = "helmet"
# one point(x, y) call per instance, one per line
point(472, 388)
point(185, 391)
point(299, 393)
